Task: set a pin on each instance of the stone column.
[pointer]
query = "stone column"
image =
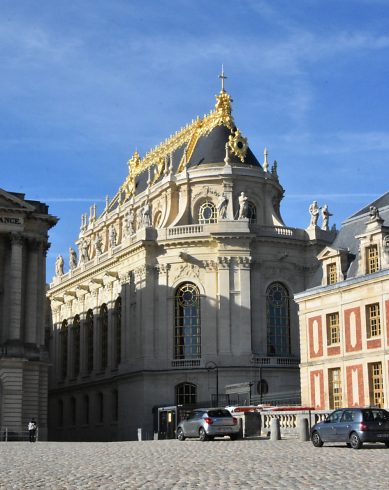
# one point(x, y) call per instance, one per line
point(16, 272)
point(41, 292)
point(30, 334)
point(244, 340)
point(163, 350)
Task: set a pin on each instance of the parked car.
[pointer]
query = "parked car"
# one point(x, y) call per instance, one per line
point(208, 423)
point(354, 426)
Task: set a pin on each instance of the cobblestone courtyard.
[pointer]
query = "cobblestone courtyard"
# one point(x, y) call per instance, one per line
point(191, 464)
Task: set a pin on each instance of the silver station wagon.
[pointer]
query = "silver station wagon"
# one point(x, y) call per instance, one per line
point(208, 423)
point(354, 426)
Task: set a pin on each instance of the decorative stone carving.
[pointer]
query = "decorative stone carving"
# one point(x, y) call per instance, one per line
point(314, 212)
point(244, 262)
point(209, 265)
point(224, 262)
point(205, 192)
point(238, 144)
point(185, 271)
point(98, 244)
point(325, 217)
point(129, 222)
point(222, 206)
point(72, 259)
point(112, 235)
point(146, 215)
point(59, 266)
point(374, 213)
point(163, 268)
point(243, 206)
point(84, 249)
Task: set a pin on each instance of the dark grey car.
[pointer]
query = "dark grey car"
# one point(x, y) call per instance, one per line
point(354, 426)
point(208, 423)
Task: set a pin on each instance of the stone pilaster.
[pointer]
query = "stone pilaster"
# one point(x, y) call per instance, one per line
point(224, 314)
point(33, 282)
point(16, 273)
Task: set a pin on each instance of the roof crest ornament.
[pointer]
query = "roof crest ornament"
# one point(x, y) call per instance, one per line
point(222, 77)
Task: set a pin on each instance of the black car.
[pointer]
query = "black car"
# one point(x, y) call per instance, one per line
point(354, 426)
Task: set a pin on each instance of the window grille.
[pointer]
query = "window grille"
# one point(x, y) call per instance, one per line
point(335, 388)
point(373, 322)
point(278, 320)
point(186, 394)
point(372, 259)
point(333, 329)
point(376, 384)
point(187, 331)
point(331, 273)
point(207, 213)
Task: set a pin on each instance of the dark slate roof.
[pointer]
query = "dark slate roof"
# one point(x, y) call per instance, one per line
point(378, 203)
point(212, 149)
point(352, 227)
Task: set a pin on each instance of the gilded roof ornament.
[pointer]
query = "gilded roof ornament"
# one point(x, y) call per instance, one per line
point(238, 144)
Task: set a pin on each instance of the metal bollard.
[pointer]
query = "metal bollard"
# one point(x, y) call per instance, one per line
point(275, 433)
point(304, 431)
point(139, 434)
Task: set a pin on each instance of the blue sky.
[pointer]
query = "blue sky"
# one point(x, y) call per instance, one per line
point(84, 83)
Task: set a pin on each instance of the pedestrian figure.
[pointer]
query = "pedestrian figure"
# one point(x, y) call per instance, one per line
point(32, 430)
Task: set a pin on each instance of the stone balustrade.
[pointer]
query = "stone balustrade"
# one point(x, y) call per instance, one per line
point(289, 420)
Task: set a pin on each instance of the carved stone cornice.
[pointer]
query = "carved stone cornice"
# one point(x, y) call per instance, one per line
point(244, 262)
point(185, 271)
point(223, 262)
point(210, 265)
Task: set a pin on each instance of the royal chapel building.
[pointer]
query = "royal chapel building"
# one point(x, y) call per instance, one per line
point(182, 285)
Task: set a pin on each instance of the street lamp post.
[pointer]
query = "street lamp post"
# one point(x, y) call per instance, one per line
point(210, 366)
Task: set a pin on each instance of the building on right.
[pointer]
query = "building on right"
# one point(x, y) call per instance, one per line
point(344, 316)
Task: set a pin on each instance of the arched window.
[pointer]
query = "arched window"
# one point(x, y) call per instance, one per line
point(89, 340)
point(186, 394)
point(118, 331)
point(251, 212)
point(76, 345)
point(104, 335)
point(187, 331)
point(207, 213)
point(278, 320)
point(64, 348)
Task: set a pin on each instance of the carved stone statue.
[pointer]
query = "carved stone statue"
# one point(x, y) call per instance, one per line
point(98, 243)
point(146, 215)
point(325, 214)
point(72, 259)
point(129, 222)
point(59, 266)
point(112, 235)
point(243, 206)
point(314, 212)
point(374, 213)
point(222, 206)
point(85, 251)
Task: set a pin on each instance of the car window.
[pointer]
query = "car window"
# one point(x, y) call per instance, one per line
point(198, 415)
point(380, 415)
point(348, 416)
point(334, 416)
point(368, 416)
point(219, 413)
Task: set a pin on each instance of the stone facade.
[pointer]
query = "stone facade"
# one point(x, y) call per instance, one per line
point(23, 355)
point(182, 285)
point(344, 317)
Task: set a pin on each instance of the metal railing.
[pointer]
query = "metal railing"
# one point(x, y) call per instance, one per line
point(13, 434)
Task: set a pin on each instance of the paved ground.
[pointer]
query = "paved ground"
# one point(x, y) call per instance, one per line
point(264, 464)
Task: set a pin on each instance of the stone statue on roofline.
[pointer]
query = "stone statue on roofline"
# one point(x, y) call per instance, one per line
point(84, 251)
point(325, 217)
point(98, 243)
point(314, 212)
point(59, 266)
point(146, 221)
point(374, 213)
point(129, 222)
point(72, 259)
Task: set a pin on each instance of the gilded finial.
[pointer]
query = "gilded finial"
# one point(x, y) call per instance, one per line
point(222, 77)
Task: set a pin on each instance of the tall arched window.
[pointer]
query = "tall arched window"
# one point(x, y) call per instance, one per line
point(278, 320)
point(64, 348)
point(76, 345)
point(187, 331)
point(89, 340)
point(104, 335)
point(118, 331)
point(207, 213)
point(186, 394)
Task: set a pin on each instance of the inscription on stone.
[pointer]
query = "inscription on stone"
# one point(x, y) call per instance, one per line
point(8, 220)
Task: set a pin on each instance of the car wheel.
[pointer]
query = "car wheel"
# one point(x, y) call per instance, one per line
point(180, 435)
point(355, 441)
point(316, 439)
point(203, 435)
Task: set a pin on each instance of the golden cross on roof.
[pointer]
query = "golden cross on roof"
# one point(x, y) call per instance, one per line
point(222, 77)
